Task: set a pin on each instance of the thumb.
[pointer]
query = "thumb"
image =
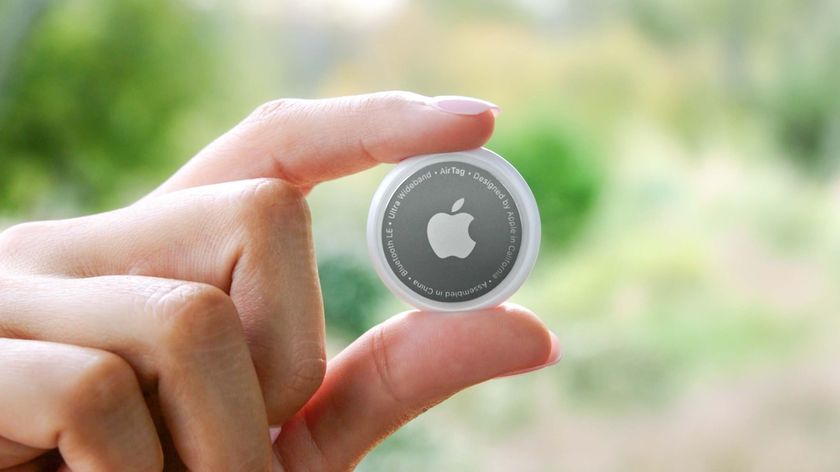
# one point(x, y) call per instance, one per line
point(402, 367)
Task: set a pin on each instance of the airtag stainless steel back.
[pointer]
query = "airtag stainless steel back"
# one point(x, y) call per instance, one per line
point(453, 231)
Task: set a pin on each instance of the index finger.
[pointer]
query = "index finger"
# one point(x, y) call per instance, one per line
point(309, 141)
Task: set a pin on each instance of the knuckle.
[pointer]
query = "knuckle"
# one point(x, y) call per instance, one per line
point(20, 237)
point(194, 313)
point(268, 202)
point(372, 142)
point(308, 373)
point(13, 237)
point(298, 380)
point(273, 110)
point(102, 385)
point(388, 100)
point(267, 193)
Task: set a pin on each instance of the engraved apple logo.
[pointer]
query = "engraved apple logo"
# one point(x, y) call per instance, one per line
point(449, 233)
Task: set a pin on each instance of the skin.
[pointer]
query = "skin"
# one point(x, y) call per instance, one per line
point(172, 332)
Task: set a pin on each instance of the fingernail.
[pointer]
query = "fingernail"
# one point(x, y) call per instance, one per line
point(274, 432)
point(463, 105)
point(553, 358)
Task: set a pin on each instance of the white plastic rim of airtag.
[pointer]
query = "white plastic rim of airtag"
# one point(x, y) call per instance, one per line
point(509, 177)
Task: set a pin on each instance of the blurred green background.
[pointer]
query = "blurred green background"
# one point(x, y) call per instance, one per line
point(684, 156)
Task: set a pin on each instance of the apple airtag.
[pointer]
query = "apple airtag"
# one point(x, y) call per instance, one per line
point(453, 231)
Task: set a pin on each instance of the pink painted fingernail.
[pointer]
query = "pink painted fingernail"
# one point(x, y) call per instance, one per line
point(463, 105)
point(274, 432)
point(553, 358)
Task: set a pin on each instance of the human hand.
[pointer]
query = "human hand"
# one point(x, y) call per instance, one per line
point(198, 310)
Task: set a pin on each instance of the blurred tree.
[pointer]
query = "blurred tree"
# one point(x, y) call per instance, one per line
point(806, 114)
point(804, 104)
point(351, 293)
point(562, 166)
point(91, 94)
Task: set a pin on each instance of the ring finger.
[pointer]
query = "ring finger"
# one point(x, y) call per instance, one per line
point(85, 402)
point(183, 340)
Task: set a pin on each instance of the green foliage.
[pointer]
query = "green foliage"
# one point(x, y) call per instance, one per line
point(806, 114)
point(351, 293)
point(562, 166)
point(93, 98)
